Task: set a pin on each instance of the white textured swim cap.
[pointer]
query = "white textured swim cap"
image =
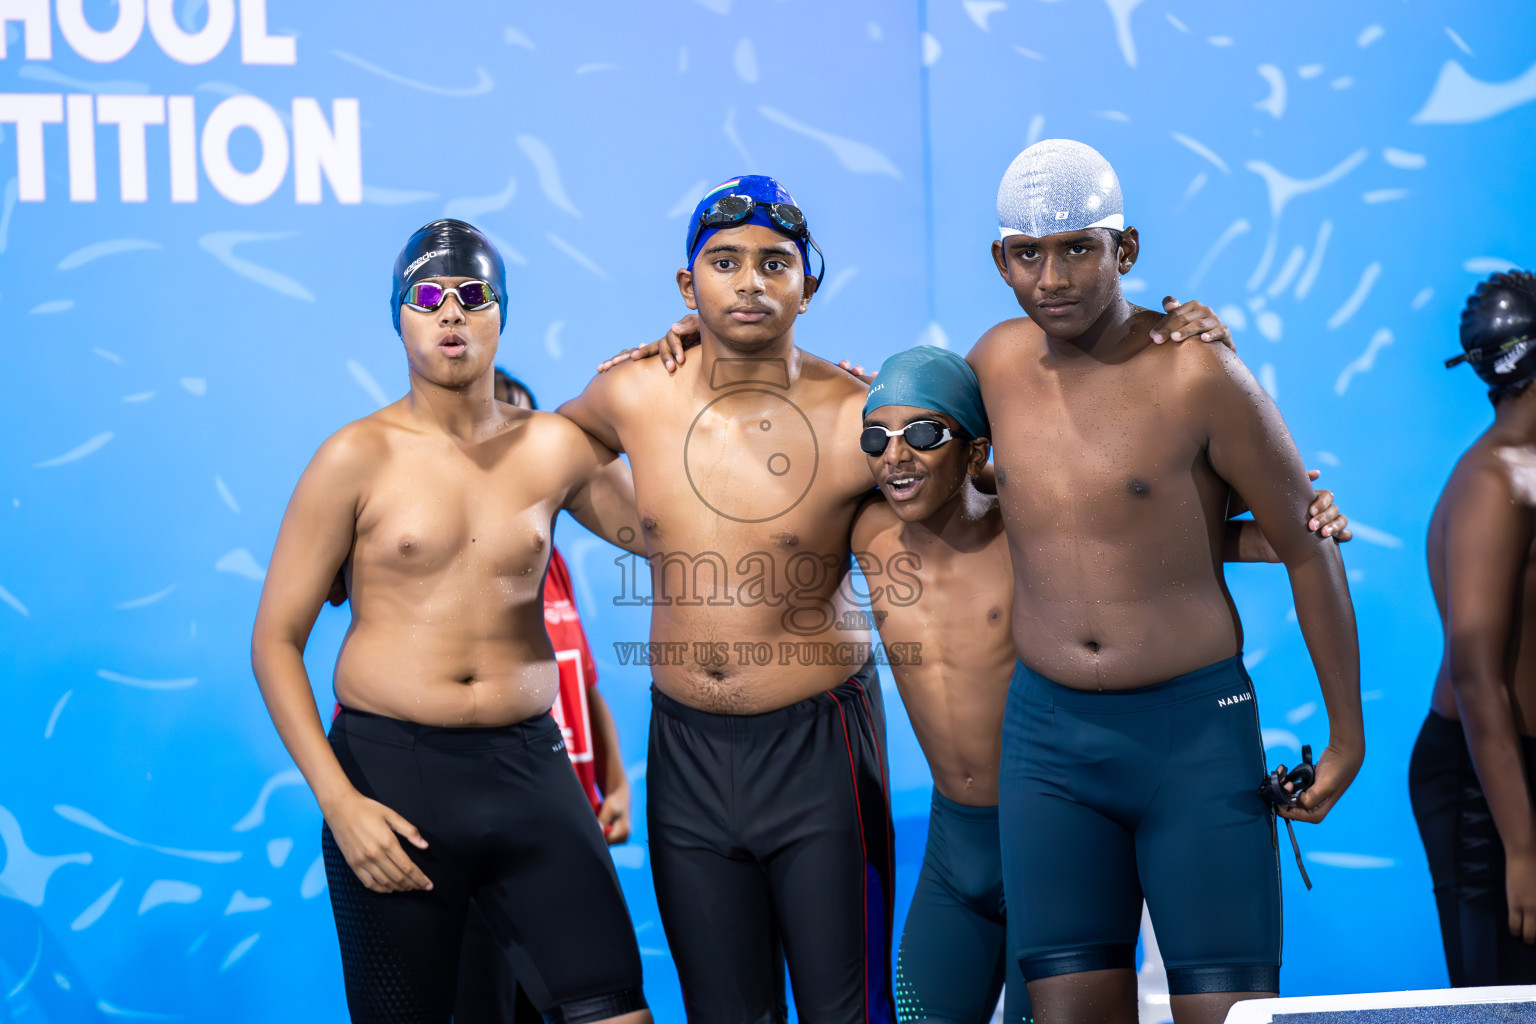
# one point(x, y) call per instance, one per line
point(1059, 185)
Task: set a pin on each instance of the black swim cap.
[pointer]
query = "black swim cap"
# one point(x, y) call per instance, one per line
point(448, 248)
point(1496, 329)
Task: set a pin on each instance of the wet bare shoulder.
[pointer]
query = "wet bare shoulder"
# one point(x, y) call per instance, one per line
point(1482, 471)
point(615, 401)
point(1002, 338)
point(631, 385)
point(1519, 462)
point(834, 399)
point(562, 443)
point(831, 380)
point(358, 449)
point(1210, 368)
point(874, 524)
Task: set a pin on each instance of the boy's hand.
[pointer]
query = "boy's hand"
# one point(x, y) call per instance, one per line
point(1323, 516)
point(1336, 769)
point(1188, 320)
point(365, 830)
point(682, 336)
point(613, 815)
point(858, 371)
point(1520, 892)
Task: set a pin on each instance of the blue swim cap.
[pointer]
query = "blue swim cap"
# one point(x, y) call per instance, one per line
point(448, 248)
point(929, 377)
point(755, 186)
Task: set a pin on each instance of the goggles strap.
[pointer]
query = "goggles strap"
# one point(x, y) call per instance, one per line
point(1296, 849)
point(1480, 355)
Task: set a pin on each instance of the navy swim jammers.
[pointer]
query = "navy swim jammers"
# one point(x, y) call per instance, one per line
point(1107, 797)
point(954, 949)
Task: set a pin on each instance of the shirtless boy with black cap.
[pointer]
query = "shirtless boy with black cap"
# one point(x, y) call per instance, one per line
point(445, 779)
point(1131, 748)
point(768, 819)
point(1473, 770)
point(925, 436)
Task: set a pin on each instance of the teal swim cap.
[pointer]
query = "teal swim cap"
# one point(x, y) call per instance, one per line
point(929, 377)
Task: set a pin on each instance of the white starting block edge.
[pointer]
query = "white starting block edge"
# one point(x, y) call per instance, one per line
point(1263, 1011)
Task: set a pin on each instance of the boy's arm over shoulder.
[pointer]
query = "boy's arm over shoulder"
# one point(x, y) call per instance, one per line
point(600, 491)
point(1250, 448)
point(1487, 537)
point(610, 397)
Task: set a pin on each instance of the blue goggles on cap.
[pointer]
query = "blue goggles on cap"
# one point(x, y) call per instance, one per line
point(729, 211)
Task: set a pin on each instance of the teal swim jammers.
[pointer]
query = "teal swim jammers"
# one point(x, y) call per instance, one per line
point(1109, 796)
point(953, 959)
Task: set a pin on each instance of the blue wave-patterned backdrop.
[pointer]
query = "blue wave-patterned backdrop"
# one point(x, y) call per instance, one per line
point(1333, 177)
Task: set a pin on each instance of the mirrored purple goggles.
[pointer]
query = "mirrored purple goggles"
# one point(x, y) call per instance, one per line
point(427, 296)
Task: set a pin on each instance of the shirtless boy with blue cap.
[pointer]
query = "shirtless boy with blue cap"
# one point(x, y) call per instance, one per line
point(926, 436)
point(766, 810)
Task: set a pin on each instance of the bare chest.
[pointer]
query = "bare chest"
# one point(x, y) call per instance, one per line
point(1105, 454)
point(956, 604)
point(428, 513)
point(749, 472)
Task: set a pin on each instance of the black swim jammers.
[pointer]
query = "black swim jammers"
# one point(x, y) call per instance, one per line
point(507, 826)
point(1466, 858)
point(1115, 795)
point(771, 839)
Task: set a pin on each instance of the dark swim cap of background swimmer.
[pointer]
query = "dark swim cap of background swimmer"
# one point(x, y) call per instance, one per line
point(1059, 185)
point(763, 190)
point(448, 248)
point(1496, 329)
point(929, 377)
